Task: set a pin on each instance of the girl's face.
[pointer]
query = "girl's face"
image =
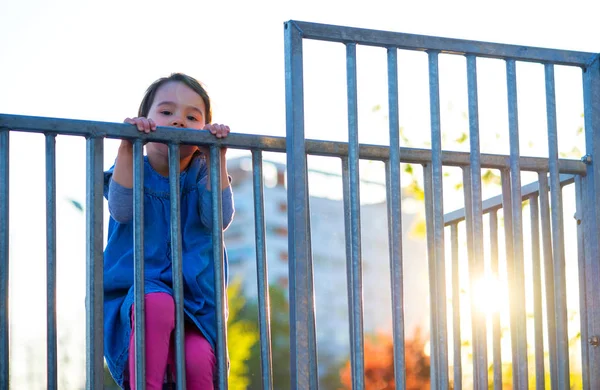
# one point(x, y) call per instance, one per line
point(175, 104)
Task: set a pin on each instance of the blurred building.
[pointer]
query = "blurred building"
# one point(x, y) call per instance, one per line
point(329, 254)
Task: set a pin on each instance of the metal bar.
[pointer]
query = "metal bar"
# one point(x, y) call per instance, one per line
point(177, 262)
point(496, 202)
point(4, 261)
point(457, 385)
point(548, 277)
point(508, 241)
point(394, 201)
point(445, 45)
point(264, 307)
point(480, 353)
point(51, 332)
point(269, 144)
point(312, 322)
point(477, 317)
point(591, 99)
point(218, 258)
point(496, 329)
point(348, 240)
point(138, 261)
point(558, 237)
point(580, 218)
point(540, 380)
point(300, 304)
point(520, 374)
point(438, 221)
point(94, 264)
point(433, 287)
point(358, 365)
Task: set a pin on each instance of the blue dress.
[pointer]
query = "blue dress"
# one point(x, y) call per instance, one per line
point(197, 258)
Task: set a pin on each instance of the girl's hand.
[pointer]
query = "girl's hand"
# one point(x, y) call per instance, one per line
point(143, 124)
point(219, 131)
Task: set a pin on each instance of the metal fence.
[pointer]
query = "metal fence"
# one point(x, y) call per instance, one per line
point(302, 312)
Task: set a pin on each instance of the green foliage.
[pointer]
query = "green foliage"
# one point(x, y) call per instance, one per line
point(242, 335)
point(280, 341)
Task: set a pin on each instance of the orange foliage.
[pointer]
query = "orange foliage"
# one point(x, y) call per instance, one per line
point(379, 364)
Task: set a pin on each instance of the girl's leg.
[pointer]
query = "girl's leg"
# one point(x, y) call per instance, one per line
point(200, 360)
point(160, 322)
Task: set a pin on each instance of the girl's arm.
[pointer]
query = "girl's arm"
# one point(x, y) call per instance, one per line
point(205, 205)
point(123, 173)
point(224, 174)
point(120, 191)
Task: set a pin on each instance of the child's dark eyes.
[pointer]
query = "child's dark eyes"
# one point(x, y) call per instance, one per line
point(191, 118)
point(166, 112)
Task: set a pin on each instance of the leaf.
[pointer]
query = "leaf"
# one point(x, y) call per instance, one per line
point(489, 177)
point(76, 204)
point(463, 137)
point(419, 229)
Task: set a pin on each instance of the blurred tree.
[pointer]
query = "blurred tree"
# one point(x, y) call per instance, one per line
point(280, 341)
point(242, 336)
point(379, 364)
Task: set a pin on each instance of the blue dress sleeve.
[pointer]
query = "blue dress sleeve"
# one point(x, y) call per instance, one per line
point(206, 201)
point(107, 179)
point(120, 199)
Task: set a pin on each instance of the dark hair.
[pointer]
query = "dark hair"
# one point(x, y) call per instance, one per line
point(191, 82)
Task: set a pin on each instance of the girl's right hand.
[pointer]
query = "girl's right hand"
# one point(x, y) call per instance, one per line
point(143, 124)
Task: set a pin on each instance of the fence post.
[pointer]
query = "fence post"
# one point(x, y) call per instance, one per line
point(302, 340)
point(591, 92)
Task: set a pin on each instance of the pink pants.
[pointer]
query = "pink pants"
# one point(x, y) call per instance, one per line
point(200, 361)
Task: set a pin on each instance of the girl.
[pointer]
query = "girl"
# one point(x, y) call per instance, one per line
point(177, 101)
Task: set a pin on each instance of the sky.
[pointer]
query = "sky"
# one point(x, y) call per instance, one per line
point(93, 60)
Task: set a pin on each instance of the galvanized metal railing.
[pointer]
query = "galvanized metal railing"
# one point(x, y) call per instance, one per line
point(302, 304)
point(302, 312)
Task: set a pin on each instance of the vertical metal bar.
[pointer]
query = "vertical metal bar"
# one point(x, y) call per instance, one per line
point(312, 325)
point(475, 310)
point(475, 275)
point(540, 380)
point(438, 221)
point(520, 380)
point(51, 335)
point(264, 317)
point(456, 308)
point(176, 259)
point(94, 265)
point(217, 243)
point(348, 240)
point(508, 239)
point(300, 303)
point(358, 366)
point(480, 331)
point(580, 218)
point(433, 287)
point(558, 237)
point(394, 201)
point(548, 278)
point(4, 263)
point(496, 329)
point(591, 99)
point(138, 261)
